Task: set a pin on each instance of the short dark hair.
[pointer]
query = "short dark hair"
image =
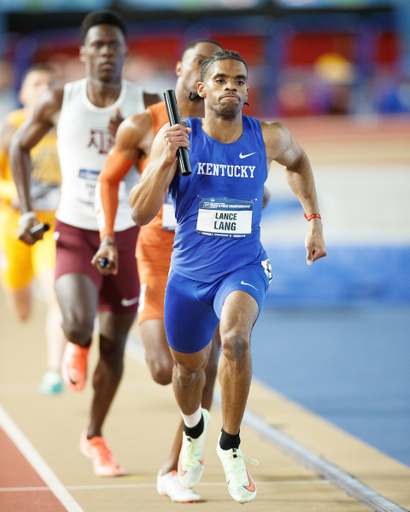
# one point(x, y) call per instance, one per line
point(42, 66)
point(220, 55)
point(102, 18)
point(207, 64)
point(193, 43)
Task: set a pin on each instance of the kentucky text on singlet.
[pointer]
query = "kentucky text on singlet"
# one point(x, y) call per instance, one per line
point(83, 144)
point(218, 207)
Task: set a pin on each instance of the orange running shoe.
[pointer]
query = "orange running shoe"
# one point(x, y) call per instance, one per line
point(74, 366)
point(97, 450)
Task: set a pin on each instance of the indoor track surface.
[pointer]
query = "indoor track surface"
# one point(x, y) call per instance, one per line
point(306, 463)
point(42, 468)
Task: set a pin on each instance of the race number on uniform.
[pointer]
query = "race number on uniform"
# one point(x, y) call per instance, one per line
point(86, 184)
point(222, 216)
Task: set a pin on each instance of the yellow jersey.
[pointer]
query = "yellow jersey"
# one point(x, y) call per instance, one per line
point(46, 166)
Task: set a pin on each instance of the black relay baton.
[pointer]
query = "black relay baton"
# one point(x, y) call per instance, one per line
point(39, 227)
point(104, 262)
point(174, 118)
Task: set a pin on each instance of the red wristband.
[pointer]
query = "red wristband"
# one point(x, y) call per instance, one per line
point(313, 216)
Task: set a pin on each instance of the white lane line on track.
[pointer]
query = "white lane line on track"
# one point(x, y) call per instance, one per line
point(347, 483)
point(154, 485)
point(38, 463)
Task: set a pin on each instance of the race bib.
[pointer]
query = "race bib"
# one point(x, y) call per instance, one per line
point(87, 181)
point(169, 222)
point(221, 216)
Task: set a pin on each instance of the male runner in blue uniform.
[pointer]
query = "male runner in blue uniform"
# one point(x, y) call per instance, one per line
point(219, 269)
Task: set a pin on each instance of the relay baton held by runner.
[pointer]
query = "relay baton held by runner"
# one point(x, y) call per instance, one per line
point(174, 118)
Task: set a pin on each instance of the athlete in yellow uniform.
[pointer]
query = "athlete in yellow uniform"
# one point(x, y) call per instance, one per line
point(21, 263)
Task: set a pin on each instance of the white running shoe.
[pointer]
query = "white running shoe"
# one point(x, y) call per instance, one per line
point(169, 485)
point(191, 458)
point(240, 484)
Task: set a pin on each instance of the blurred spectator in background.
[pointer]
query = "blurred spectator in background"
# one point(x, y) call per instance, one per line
point(22, 263)
point(69, 68)
point(391, 93)
point(337, 75)
point(293, 95)
point(8, 100)
point(325, 89)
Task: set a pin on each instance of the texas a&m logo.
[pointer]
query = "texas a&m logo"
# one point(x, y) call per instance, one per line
point(101, 140)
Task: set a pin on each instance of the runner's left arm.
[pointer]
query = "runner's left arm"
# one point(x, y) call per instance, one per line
point(115, 169)
point(282, 148)
point(120, 160)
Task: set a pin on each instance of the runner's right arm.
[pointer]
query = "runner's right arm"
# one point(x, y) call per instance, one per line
point(26, 137)
point(7, 187)
point(147, 195)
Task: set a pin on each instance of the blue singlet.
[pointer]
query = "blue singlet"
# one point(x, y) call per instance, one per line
point(218, 207)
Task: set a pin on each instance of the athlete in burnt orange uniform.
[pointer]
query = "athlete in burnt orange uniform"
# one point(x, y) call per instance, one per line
point(154, 246)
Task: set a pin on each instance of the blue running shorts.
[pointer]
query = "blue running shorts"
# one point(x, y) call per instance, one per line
point(193, 308)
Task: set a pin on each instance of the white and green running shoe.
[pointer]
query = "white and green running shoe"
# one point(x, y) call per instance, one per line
point(240, 484)
point(52, 383)
point(191, 458)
